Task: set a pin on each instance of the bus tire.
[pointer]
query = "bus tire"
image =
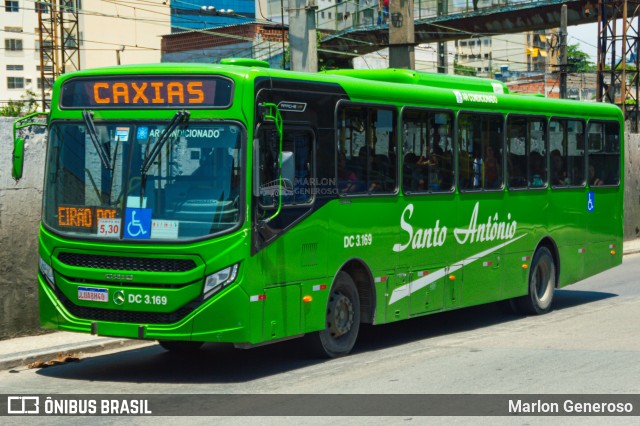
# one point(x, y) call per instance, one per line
point(542, 284)
point(342, 321)
point(180, 346)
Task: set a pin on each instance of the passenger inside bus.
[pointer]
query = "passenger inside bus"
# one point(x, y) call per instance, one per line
point(558, 172)
point(594, 179)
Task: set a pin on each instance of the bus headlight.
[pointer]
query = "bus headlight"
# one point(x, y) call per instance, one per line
point(47, 272)
point(219, 280)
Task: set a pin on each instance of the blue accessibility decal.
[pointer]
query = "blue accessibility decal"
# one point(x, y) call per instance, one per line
point(137, 224)
point(591, 201)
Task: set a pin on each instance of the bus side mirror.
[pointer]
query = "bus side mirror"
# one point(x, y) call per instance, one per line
point(18, 158)
point(18, 142)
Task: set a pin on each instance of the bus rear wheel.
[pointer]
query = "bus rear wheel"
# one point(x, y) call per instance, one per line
point(542, 284)
point(342, 320)
point(180, 346)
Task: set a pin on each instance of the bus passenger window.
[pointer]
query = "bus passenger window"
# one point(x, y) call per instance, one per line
point(480, 159)
point(366, 150)
point(566, 145)
point(526, 152)
point(428, 151)
point(603, 143)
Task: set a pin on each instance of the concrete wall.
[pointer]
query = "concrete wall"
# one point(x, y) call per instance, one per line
point(632, 186)
point(19, 218)
point(20, 212)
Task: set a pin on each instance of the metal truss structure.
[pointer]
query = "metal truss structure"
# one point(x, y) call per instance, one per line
point(59, 42)
point(617, 66)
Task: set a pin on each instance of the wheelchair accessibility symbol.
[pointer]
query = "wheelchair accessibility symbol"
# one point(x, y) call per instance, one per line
point(137, 224)
point(591, 200)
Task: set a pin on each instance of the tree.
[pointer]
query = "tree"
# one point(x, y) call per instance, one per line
point(26, 105)
point(463, 69)
point(577, 60)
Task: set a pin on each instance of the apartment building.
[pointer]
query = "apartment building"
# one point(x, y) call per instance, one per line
point(110, 32)
point(530, 52)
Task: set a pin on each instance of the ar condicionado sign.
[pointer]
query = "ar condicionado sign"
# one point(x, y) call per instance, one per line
point(147, 92)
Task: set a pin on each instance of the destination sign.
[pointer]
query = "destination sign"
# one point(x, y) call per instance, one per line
point(83, 217)
point(147, 92)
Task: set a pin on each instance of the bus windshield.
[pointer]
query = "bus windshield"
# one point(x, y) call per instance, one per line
point(121, 181)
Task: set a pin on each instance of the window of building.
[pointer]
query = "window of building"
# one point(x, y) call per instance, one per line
point(367, 149)
point(11, 6)
point(13, 44)
point(463, 43)
point(41, 7)
point(47, 84)
point(427, 164)
point(48, 45)
point(566, 146)
point(15, 82)
point(604, 153)
point(12, 29)
point(15, 67)
point(46, 68)
point(480, 139)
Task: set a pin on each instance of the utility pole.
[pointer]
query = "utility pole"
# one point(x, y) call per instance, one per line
point(442, 9)
point(401, 35)
point(563, 52)
point(303, 43)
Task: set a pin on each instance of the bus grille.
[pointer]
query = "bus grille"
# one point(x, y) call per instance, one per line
point(134, 317)
point(121, 263)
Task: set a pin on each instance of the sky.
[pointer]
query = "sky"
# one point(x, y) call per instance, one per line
point(587, 37)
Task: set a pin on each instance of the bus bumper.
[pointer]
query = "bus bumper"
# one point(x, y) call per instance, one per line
point(213, 321)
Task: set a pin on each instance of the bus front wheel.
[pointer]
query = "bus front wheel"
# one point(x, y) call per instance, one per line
point(180, 346)
point(542, 284)
point(342, 320)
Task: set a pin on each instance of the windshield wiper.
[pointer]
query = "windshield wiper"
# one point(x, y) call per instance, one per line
point(178, 118)
point(93, 135)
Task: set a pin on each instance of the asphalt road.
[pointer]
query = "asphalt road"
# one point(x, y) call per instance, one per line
point(589, 343)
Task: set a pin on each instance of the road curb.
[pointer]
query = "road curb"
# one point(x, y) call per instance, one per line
point(22, 359)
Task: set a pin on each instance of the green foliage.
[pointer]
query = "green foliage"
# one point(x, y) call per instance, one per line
point(463, 69)
point(26, 105)
point(577, 60)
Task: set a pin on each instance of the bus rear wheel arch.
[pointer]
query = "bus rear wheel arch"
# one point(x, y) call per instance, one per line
point(342, 320)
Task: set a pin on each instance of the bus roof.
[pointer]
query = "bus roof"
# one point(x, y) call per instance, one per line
point(401, 86)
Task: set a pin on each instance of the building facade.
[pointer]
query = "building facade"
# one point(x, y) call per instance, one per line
point(109, 33)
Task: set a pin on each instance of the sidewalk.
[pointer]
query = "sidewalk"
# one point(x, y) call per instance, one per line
point(21, 351)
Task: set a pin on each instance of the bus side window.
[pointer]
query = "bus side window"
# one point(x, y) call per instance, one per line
point(604, 153)
point(566, 146)
point(481, 151)
point(427, 151)
point(517, 147)
point(366, 150)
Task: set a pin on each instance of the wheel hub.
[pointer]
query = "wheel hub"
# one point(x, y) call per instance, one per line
point(341, 315)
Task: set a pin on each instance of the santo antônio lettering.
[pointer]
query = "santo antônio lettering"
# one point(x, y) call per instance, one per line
point(148, 92)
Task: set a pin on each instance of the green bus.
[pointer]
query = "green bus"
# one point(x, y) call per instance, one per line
point(191, 203)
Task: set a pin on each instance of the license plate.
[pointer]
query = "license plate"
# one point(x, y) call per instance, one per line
point(93, 294)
